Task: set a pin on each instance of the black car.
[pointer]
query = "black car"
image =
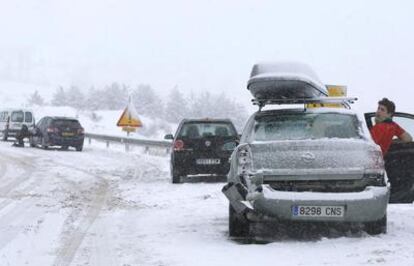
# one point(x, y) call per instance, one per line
point(202, 147)
point(399, 160)
point(58, 131)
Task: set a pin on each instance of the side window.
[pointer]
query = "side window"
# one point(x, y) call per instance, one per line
point(28, 117)
point(17, 116)
point(39, 124)
point(406, 123)
point(47, 122)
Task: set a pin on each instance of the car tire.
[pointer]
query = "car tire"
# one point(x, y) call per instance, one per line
point(5, 135)
point(239, 226)
point(376, 227)
point(79, 148)
point(43, 144)
point(31, 142)
point(65, 148)
point(176, 176)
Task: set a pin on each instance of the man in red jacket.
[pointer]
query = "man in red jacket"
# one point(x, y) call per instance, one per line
point(385, 129)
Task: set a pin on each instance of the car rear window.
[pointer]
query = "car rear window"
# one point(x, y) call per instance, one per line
point(200, 130)
point(28, 117)
point(66, 123)
point(306, 126)
point(17, 116)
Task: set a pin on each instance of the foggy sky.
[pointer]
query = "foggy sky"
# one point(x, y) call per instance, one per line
point(211, 45)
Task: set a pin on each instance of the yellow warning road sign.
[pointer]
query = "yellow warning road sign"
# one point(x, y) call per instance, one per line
point(129, 119)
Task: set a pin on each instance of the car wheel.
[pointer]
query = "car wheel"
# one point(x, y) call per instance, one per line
point(176, 179)
point(43, 144)
point(5, 135)
point(32, 144)
point(176, 176)
point(239, 226)
point(79, 148)
point(376, 227)
point(65, 148)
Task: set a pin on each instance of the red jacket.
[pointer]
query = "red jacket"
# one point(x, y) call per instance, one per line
point(383, 133)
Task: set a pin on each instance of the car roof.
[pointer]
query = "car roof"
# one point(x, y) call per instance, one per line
point(205, 120)
point(16, 109)
point(62, 118)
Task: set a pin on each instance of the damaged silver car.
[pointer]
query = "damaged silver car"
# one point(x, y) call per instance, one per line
point(307, 165)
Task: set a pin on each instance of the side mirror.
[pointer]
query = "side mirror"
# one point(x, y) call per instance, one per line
point(169, 136)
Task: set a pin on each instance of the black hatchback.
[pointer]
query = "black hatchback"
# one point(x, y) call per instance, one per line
point(202, 147)
point(58, 131)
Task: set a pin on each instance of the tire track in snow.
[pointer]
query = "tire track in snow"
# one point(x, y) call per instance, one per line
point(75, 237)
point(16, 217)
point(28, 167)
point(13, 222)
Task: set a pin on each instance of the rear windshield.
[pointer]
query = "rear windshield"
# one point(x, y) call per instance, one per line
point(28, 117)
point(306, 126)
point(200, 130)
point(17, 116)
point(66, 123)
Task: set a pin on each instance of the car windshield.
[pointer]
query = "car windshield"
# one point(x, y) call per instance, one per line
point(17, 116)
point(66, 123)
point(199, 130)
point(306, 126)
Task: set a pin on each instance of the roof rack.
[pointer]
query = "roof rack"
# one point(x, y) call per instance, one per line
point(345, 101)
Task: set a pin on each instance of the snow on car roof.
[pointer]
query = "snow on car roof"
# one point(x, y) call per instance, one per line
point(286, 71)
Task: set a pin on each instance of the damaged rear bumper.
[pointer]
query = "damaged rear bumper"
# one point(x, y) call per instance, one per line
point(269, 204)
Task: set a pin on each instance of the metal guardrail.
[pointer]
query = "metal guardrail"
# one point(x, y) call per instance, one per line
point(147, 144)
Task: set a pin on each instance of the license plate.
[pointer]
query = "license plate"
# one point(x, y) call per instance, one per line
point(318, 211)
point(67, 134)
point(208, 161)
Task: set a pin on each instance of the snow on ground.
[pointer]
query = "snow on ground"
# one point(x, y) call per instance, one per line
point(104, 122)
point(107, 207)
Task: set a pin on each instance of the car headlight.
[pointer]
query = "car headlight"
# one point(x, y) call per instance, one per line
point(244, 159)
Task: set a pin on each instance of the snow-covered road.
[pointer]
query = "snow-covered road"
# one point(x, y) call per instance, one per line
point(108, 207)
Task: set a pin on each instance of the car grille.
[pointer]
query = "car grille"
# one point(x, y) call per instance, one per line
point(319, 185)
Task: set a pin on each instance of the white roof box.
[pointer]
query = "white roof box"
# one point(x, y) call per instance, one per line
point(284, 81)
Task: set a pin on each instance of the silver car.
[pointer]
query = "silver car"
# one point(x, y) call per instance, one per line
point(315, 164)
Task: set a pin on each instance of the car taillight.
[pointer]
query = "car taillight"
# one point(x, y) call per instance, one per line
point(81, 131)
point(52, 130)
point(244, 157)
point(178, 145)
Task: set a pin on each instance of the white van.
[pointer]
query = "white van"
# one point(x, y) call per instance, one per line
point(12, 120)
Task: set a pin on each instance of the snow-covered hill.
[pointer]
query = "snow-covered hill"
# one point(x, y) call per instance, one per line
point(15, 94)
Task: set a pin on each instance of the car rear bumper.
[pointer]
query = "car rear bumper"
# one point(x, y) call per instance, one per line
point(187, 164)
point(365, 206)
point(65, 141)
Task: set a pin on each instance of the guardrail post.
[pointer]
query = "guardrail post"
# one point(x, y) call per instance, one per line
point(107, 144)
point(146, 149)
point(126, 147)
point(90, 140)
